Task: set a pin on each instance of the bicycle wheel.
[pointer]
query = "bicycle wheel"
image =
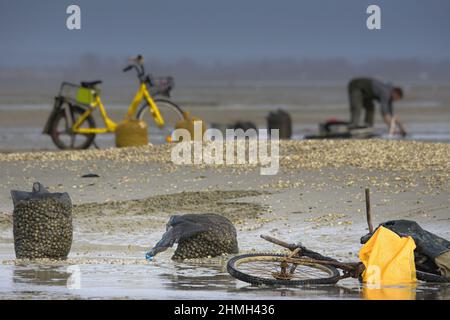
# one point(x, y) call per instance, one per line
point(264, 268)
point(170, 112)
point(61, 128)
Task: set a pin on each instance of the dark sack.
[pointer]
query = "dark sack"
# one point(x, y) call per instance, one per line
point(246, 125)
point(198, 236)
point(282, 121)
point(42, 223)
point(432, 252)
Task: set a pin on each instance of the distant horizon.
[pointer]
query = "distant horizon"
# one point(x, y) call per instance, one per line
point(262, 70)
point(148, 58)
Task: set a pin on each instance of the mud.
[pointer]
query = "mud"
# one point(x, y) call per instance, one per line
point(120, 215)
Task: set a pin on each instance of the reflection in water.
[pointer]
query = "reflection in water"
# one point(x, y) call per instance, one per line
point(194, 277)
point(215, 278)
point(403, 292)
point(420, 291)
point(48, 276)
point(166, 279)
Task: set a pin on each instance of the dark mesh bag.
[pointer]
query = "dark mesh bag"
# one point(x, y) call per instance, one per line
point(431, 253)
point(198, 236)
point(42, 223)
point(282, 121)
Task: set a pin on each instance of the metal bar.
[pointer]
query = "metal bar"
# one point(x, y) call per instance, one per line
point(368, 213)
point(279, 242)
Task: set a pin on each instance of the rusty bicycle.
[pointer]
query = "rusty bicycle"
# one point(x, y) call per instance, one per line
point(300, 267)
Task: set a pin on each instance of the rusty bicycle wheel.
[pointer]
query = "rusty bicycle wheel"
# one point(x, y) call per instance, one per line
point(272, 269)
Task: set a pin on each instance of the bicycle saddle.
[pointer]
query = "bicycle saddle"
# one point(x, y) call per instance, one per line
point(90, 84)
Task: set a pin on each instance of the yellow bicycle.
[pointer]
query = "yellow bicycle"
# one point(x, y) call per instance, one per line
point(71, 124)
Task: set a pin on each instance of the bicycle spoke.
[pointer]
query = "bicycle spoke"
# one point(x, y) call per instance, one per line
point(72, 140)
point(62, 133)
point(273, 269)
point(306, 272)
point(171, 116)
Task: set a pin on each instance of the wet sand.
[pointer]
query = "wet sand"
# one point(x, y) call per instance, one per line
point(317, 198)
point(425, 110)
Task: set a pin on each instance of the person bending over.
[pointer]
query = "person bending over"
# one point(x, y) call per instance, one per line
point(363, 92)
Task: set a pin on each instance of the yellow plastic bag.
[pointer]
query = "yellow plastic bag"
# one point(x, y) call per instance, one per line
point(388, 258)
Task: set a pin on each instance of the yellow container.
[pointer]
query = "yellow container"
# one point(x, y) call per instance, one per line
point(131, 133)
point(188, 123)
point(85, 95)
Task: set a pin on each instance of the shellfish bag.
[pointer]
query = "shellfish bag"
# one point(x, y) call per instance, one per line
point(282, 121)
point(186, 229)
point(132, 133)
point(246, 125)
point(42, 223)
point(432, 253)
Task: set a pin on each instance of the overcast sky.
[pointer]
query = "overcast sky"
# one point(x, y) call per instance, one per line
point(34, 32)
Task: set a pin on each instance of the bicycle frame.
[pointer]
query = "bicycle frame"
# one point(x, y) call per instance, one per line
point(110, 125)
point(350, 269)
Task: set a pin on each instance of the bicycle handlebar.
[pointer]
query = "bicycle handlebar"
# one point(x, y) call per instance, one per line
point(140, 70)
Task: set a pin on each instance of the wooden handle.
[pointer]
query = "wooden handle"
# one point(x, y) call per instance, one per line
point(368, 213)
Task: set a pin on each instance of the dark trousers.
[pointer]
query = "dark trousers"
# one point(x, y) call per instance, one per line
point(357, 103)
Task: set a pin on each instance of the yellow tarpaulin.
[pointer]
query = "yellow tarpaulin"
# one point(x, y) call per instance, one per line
point(388, 258)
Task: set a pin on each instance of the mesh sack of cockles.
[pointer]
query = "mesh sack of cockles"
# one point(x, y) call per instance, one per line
point(42, 223)
point(198, 236)
point(131, 133)
point(432, 253)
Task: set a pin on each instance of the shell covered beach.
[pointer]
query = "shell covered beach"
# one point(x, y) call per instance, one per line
point(317, 198)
